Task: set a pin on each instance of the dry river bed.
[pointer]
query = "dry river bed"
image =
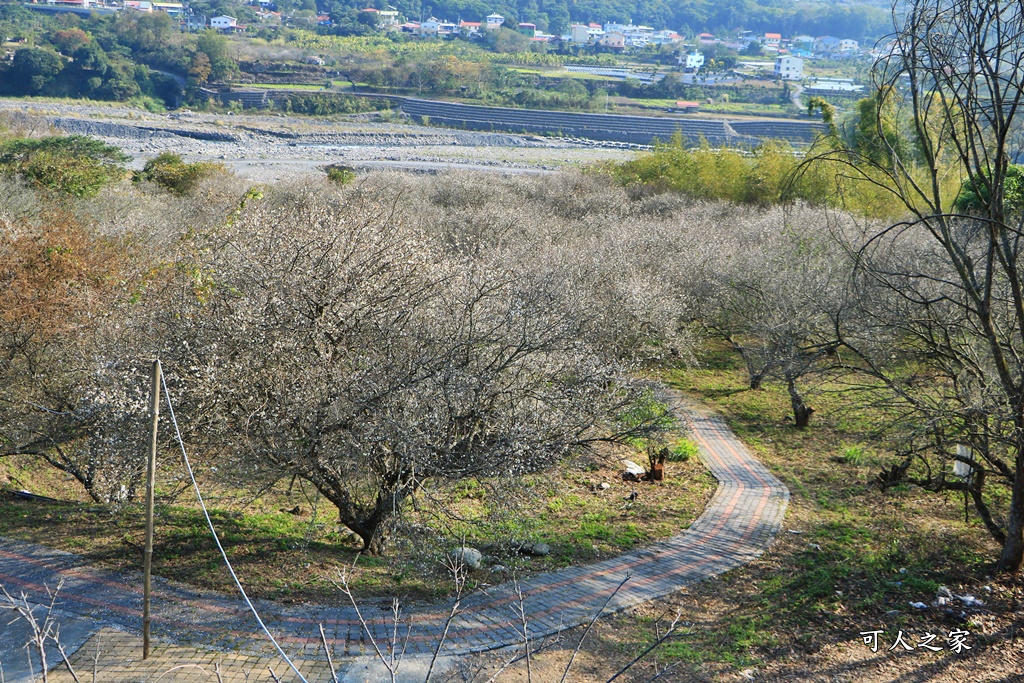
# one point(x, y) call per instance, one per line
point(265, 146)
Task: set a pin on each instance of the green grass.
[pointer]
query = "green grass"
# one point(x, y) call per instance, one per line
point(861, 555)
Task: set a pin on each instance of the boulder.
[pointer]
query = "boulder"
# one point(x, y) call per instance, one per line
point(532, 549)
point(471, 558)
point(540, 549)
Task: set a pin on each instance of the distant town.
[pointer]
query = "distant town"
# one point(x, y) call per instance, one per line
point(612, 37)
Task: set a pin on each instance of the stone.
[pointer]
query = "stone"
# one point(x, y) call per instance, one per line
point(498, 568)
point(604, 486)
point(471, 558)
point(532, 549)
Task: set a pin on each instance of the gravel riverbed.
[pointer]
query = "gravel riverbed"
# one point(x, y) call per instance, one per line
point(267, 147)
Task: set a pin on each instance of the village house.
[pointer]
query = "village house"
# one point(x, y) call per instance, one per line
point(691, 62)
point(429, 27)
point(223, 23)
point(172, 8)
point(613, 41)
point(789, 68)
point(579, 33)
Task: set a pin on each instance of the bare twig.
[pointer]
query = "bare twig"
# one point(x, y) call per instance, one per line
point(347, 591)
point(579, 645)
point(327, 651)
point(273, 675)
point(664, 671)
point(668, 634)
point(95, 660)
point(39, 632)
point(64, 656)
point(458, 569)
point(526, 630)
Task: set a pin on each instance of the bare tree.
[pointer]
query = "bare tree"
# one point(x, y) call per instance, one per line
point(941, 328)
point(327, 340)
point(778, 291)
point(66, 391)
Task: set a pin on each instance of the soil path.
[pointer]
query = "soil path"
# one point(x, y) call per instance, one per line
point(737, 526)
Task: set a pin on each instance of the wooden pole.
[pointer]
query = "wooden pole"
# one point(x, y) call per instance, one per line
point(154, 418)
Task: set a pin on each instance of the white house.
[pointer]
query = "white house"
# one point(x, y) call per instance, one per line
point(222, 23)
point(579, 33)
point(494, 21)
point(789, 68)
point(848, 45)
point(692, 62)
point(429, 27)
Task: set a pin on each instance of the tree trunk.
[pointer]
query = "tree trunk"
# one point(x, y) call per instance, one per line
point(801, 411)
point(1012, 556)
point(374, 526)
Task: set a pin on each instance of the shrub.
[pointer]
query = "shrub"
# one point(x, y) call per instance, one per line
point(683, 450)
point(171, 172)
point(342, 175)
point(73, 164)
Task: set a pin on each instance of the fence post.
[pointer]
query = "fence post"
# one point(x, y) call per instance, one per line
point(154, 418)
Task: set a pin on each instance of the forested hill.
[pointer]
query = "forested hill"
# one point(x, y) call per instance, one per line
point(690, 17)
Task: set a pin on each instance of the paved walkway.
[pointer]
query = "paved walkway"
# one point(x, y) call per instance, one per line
point(737, 526)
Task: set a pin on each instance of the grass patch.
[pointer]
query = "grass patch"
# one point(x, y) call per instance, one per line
point(849, 557)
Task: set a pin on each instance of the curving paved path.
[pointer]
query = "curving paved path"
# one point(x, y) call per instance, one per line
point(737, 526)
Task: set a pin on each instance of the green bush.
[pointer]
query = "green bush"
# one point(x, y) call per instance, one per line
point(325, 104)
point(683, 450)
point(772, 174)
point(342, 175)
point(171, 172)
point(73, 164)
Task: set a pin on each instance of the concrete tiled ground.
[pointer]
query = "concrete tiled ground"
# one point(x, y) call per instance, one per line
point(116, 657)
point(738, 524)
